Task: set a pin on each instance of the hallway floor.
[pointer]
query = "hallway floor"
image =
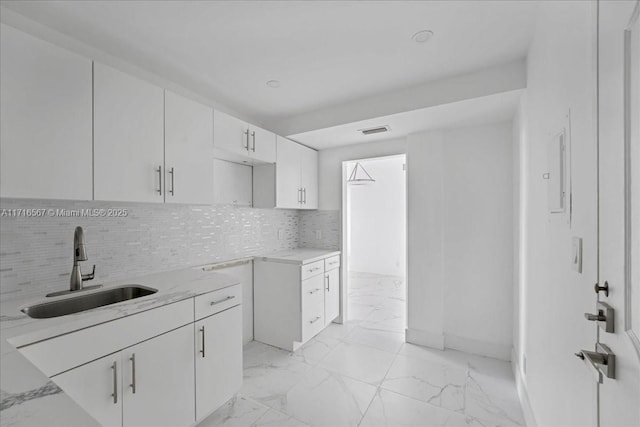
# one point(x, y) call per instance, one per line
point(363, 374)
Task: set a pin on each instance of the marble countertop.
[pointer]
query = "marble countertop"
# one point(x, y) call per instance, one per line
point(28, 397)
point(299, 256)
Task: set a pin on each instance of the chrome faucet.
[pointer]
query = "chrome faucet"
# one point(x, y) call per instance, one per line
point(79, 254)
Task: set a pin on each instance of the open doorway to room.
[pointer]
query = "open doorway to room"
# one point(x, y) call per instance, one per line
point(374, 239)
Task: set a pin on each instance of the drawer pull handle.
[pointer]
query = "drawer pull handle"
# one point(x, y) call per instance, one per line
point(202, 346)
point(223, 300)
point(133, 373)
point(311, 270)
point(314, 291)
point(115, 382)
point(315, 320)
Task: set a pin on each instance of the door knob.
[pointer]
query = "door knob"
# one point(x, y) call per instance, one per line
point(604, 288)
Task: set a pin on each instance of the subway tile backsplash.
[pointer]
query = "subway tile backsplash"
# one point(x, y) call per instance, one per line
point(36, 252)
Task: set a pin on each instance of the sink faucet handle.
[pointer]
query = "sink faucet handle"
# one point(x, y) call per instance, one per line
point(89, 276)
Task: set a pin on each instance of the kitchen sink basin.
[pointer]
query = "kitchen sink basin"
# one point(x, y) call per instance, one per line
point(87, 301)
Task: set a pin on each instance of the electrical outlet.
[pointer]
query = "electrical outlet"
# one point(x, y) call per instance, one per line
point(280, 234)
point(318, 234)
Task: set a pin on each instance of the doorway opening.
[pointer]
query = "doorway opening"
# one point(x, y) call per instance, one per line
point(374, 241)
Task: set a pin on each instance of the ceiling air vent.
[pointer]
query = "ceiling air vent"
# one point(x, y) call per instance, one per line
point(378, 129)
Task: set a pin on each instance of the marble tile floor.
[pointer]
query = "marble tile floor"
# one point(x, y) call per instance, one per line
point(362, 373)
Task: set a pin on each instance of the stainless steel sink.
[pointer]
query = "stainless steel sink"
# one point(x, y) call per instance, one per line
point(87, 301)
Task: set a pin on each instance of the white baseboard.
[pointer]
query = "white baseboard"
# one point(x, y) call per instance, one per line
point(527, 410)
point(482, 348)
point(424, 338)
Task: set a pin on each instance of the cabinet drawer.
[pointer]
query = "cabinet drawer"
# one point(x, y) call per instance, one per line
point(312, 269)
point(217, 301)
point(312, 313)
point(331, 263)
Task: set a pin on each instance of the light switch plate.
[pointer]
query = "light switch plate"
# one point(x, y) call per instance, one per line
point(280, 234)
point(576, 254)
point(318, 234)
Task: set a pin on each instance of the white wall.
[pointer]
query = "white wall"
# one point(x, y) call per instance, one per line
point(378, 218)
point(553, 297)
point(330, 166)
point(461, 239)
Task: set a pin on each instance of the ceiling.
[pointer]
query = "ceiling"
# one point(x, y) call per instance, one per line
point(472, 112)
point(324, 53)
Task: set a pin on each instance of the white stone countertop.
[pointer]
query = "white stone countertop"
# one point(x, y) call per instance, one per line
point(28, 397)
point(299, 256)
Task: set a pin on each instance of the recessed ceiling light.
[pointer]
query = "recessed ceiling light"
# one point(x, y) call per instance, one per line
point(422, 36)
point(273, 83)
point(378, 129)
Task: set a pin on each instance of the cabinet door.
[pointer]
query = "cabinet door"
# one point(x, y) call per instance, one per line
point(309, 177)
point(288, 193)
point(218, 360)
point(230, 134)
point(97, 388)
point(263, 145)
point(45, 111)
point(312, 306)
point(128, 137)
point(158, 381)
point(331, 295)
point(188, 151)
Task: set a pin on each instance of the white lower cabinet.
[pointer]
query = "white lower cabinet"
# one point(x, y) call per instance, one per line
point(218, 360)
point(169, 366)
point(149, 384)
point(293, 302)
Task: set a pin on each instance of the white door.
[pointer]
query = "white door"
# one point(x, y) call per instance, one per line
point(128, 137)
point(188, 151)
point(45, 111)
point(158, 382)
point(619, 403)
point(97, 388)
point(230, 134)
point(218, 367)
point(332, 295)
point(309, 177)
point(263, 145)
point(288, 189)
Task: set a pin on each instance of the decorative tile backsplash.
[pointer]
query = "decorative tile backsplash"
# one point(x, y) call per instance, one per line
point(329, 225)
point(36, 252)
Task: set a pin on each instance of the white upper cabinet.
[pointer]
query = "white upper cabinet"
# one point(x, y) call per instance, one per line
point(188, 172)
point(128, 137)
point(309, 177)
point(288, 188)
point(238, 141)
point(45, 112)
point(292, 183)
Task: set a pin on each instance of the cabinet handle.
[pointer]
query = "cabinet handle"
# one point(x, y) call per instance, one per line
point(314, 320)
point(133, 373)
point(223, 300)
point(311, 270)
point(114, 367)
point(299, 195)
point(328, 282)
point(246, 147)
point(304, 191)
point(253, 135)
point(159, 170)
point(172, 181)
point(314, 291)
point(202, 342)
